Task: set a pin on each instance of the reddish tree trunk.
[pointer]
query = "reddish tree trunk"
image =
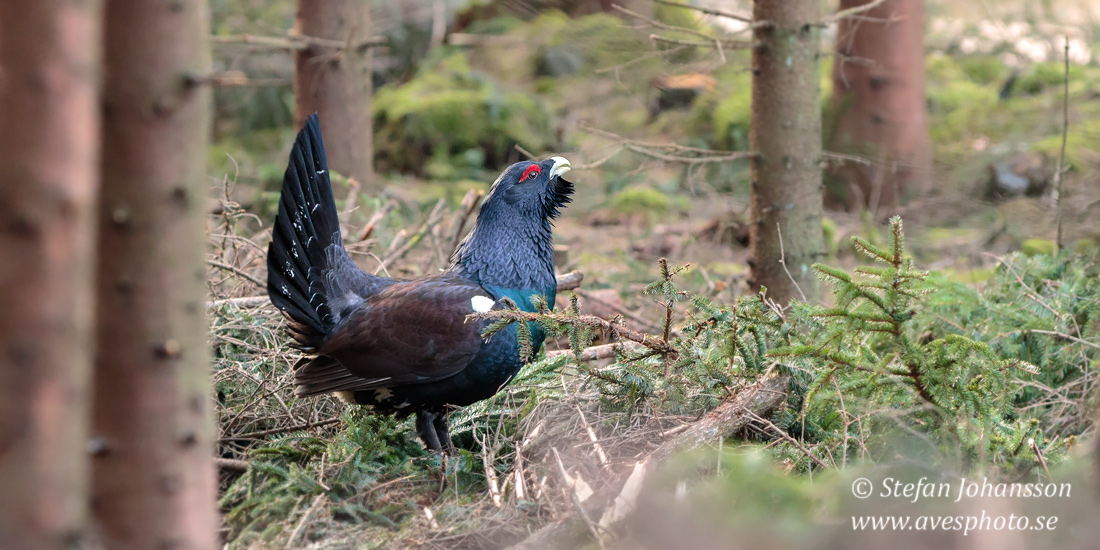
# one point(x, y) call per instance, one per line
point(153, 475)
point(49, 142)
point(878, 98)
point(336, 83)
point(786, 135)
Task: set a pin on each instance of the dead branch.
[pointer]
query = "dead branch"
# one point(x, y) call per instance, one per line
point(231, 464)
point(236, 271)
point(466, 39)
point(660, 25)
point(288, 429)
point(713, 43)
point(729, 417)
point(851, 12)
point(305, 518)
point(376, 219)
point(570, 281)
point(469, 203)
point(658, 150)
point(786, 437)
point(827, 156)
point(244, 301)
point(654, 343)
point(566, 281)
point(595, 353)
point(237, 79)
point(434, 218)
point(1062, 154)
point(713, 11)
point(298, 42)
point(732, 415)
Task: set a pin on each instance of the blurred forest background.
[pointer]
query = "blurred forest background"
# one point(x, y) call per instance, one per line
point(933, 303)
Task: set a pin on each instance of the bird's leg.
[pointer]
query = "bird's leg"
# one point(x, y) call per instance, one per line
point(443, 432)
point(425, 428)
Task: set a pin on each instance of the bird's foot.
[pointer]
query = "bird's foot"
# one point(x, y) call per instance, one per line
point(433, 431)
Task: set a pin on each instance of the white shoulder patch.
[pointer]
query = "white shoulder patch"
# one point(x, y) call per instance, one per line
point(481, 304)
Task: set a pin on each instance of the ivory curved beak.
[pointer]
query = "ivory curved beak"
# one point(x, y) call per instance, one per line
point(561, 166)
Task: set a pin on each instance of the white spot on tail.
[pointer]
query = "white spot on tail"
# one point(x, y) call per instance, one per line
point(481, 304)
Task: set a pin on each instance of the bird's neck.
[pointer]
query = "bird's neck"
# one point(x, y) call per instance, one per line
point(510, 255)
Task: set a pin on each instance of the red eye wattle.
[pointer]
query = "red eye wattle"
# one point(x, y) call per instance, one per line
point(531, 172)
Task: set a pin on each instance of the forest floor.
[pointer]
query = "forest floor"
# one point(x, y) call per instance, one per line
point(311, 473)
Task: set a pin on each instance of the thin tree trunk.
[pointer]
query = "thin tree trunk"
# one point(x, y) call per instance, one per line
point(878, 98)
point(153, 473)
point(49, 142)
point(336, 84)
point(786, 134)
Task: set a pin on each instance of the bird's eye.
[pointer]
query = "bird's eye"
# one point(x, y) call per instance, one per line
point(531, 172)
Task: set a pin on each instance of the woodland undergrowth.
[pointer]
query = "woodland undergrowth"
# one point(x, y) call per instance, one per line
point(995, 379)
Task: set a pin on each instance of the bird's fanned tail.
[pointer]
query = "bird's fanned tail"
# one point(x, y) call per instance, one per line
point(310, 277)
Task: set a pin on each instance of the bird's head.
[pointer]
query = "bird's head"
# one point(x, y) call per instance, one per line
point(532, 188)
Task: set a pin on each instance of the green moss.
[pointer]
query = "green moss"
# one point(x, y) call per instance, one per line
point(968, 276)
point(984, 69)
point(450, 109)
point(727, 269)
point(829, 234)
point(1036, 247)
point(950, 237)
point(1041, 76)
point(1083, 136)
point(1086, 246)
point(602, 39)
point(951, 96)
point(639, 199)
point(723, 116)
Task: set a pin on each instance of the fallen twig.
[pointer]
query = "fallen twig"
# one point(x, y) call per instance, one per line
point(276, 431)
point(236, 271)
point(244, 301)
point(232, 464)
point(782, 434)
point(1062, 154)
point(305, 518)
point(469, 203)
point(376, 219)
point(396, 253)
point(595, 353)
point(729, 417)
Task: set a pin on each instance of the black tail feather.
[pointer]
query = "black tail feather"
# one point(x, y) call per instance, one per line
point(307, 257)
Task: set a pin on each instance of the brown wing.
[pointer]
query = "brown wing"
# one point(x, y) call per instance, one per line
point(411, 332)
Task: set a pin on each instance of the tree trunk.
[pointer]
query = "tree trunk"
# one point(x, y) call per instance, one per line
point(878, 101)
point(336, 83)
point(49, 142)
point(153, 474)
point(786, 135)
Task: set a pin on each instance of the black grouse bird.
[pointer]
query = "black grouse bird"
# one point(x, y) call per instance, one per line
point(404, 346)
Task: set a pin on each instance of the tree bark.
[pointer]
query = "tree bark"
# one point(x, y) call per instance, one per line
point(49, 143)
point(786, 135)
point(878, 99)
point(336, 83)
point(153, 474)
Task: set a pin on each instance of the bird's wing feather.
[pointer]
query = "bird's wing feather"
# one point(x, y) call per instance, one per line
point(311, 278)
point(410, 332)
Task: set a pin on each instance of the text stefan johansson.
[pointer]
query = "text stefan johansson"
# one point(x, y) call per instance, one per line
point(967, 488)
